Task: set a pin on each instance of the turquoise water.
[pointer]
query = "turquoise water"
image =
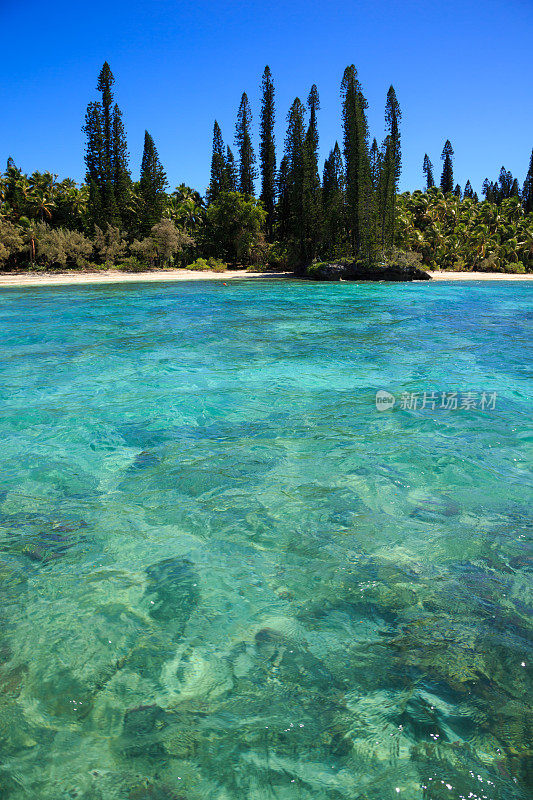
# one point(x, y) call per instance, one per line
point(224, 575)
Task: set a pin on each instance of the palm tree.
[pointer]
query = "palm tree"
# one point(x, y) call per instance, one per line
point(41, 205)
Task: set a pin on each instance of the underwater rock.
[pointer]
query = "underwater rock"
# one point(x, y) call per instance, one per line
point(66, 695)
point(282, 651)
point(43, 538)
point(141, 731)
point(145, 459)
point(442, 648)
point(285, 627)
point(11, 679)
point(319, 776)
point(430, 507)
point(153, 790)
point(196, 678)
point(173, 592)
point(138, 436)
point(142, 719)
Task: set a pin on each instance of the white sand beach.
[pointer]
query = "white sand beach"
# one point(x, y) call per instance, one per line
point(114, 276)
point(22, 279)
point(480, 276)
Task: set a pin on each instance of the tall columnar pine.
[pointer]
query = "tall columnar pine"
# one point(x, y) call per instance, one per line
point(106, 156)
point(122, 183)
point(375, 163)
point(333, 203)
point(504, 188)
point(490, 191)
point(376, 168)
point(391, 169)
point(218, 181)
point(446, 181)
point(295, 166)
point(94, 162)
point(267, 150)
point(428, 172)
point(282, 205)
point(231, 171)
point(508, 185)
point(527, 191)
point(243, 141)
point(105, 87)
point(359, 195)
point(152, 186)
point(468, 192)
point(312, 200)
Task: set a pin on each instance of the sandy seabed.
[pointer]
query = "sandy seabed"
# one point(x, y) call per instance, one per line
point(17, 280)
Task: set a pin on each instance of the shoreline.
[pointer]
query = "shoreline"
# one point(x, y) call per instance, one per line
point(481, 276)
point(22, 279)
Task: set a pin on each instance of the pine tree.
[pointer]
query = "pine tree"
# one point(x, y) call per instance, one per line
point(282, 206)
point(428, 172)
point(490, 191)
point(106, 156)
point(105, 87)
point(230, 180)
point(218, 182)
point(375, 163)
point(312, 210)
point(152, 186)
point(268, 150)
point(393, 116)
point(122, 184)
point(295, 165)
point(506, 182)
point(527, 191)
point(357, 164)
point(376, 168)
point(384, 195)
point(458, 191)
point(94, 152)
point(333, 202)
point(391, 169)
point(446, 181)
point(468, 192)
point(243, 141)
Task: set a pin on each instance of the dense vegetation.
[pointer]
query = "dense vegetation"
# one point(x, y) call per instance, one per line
point(352, 210)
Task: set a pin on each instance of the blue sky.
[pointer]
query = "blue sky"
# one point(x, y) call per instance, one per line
point(461, 69)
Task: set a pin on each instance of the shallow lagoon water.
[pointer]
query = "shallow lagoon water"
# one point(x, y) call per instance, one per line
point(225, 575)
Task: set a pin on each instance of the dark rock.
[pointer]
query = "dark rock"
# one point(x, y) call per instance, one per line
point(143, 720)
point(141, 734)
point(172, 589)
point(352, 271)
point(151, 790)
point(294, 664)
point(145, 459)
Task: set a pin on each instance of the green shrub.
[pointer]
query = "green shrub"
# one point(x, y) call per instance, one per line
point(131, 264)
point(516, 267)
point(395, 257)
point(208, 265)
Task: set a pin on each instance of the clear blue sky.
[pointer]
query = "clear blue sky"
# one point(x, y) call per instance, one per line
point(461, 69)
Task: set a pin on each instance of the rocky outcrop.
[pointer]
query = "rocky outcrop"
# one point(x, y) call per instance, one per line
point(352, 271)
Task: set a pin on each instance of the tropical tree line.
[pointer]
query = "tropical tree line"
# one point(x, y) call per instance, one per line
point(349, 210)
point(256, 210)
point(463, 234)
